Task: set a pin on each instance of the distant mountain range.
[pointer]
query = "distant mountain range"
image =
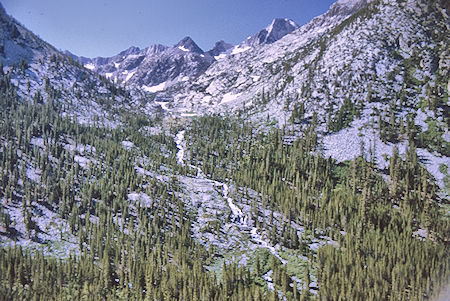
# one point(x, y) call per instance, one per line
point(157, 67)
point(358, 60)
point(303, 163)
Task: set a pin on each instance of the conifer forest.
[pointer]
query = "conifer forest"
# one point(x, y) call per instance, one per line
point(276, 171)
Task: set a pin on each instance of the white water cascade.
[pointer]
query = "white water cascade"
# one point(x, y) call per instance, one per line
point(240, 219)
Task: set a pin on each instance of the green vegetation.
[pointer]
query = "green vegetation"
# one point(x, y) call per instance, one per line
point(432, 139)
point(151, 256)
point(343, 117)
point(444, 170)
point(379, 248)
point(390, 238)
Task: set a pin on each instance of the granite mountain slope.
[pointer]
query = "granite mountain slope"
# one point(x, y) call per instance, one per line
point(246, 200)
point(158, 67)
point(42, 73)
point(362, 71)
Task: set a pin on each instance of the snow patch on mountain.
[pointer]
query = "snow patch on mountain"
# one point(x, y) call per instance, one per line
point(182, 48)
point(239, 49)
point(89, 66)
point(255, 77)
point(156, 88)
point(229, 97)
point(220, 56)
point(129, 75)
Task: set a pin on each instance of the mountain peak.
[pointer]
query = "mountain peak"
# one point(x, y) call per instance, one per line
point(154, 49)
point(187, 44)
point(279, 28)
point(130, 50)
point(277, 22)
point(219, 48)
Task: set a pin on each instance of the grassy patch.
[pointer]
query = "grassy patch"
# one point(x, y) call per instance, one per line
point(296, 266)
point(447, 183)
point(432, 139)
point(443, 168)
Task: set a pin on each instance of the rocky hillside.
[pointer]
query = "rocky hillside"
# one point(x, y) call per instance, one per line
point(41, 73)
point(159, 67)
point(151, 68)
point(366, 71)
point(336, 56)
point(324, 175)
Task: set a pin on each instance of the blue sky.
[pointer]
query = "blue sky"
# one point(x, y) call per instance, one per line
point(106, 27)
